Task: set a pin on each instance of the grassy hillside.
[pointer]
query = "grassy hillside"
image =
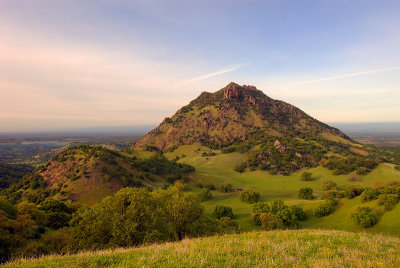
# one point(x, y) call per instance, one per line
point(87, 174)
point(218, 169)
point(235, 113)
point(302, 248)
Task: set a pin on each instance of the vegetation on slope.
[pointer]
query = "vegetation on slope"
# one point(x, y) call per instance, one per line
point(131, 217)
point(302, 248)
point(276, 136)
point(12, 173)
point(89, 173)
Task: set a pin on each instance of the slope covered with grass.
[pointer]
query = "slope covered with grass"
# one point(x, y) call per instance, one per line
point(218, 169)
point(301, 248)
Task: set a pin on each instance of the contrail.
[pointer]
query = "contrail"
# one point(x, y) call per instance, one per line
point(228, 70)
point(337, 77)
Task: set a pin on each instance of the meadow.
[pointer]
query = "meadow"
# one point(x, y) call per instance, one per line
point(218, 169)
point(279, 248)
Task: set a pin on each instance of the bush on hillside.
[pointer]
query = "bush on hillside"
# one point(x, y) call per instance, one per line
point(388, 201)
point(325, 208)
point(229, 226)
point(353, 177)
point(289, 216)
point(306, 193)
point(210, 186)
point(365, 217)
point(368, 194)
point(329, 185)
point(353, 191)
point(204, 195)
point(226, 187)
point(346, 165)
point(249, 196)
point(240, 167)
point(306, 176)
point(223, 211)
point(334, 193)
point(270, 221)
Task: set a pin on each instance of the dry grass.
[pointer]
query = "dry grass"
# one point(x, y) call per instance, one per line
point(301, 248)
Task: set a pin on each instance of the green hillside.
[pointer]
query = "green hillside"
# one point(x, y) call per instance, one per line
point(86, 174)
point(218, 169)
point(301, 248)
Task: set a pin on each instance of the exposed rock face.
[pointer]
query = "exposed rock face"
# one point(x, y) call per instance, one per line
point(233, 91)
point(279, 146)
point(233, 113)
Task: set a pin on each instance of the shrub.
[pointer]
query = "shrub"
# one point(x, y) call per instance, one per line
point(322, 210)
point(365, 217)
point(204, 195)
point(362, 171)
point(368, 194)
point(388, 200)
point(325, 208)
point(306, 176)
point(306, 193)
point(228, 150)
point(226, 188)
point(240, 167)
point(329, 185)
point(270, 221)
point(211, 186)
point(299, 213)
point(353, 177)
point(397, 167)
point(229, 226)
point(8, 208)
point(288, 216)
point(223, 211)
point(334, 193)
point(353, 191)
point(249, 196)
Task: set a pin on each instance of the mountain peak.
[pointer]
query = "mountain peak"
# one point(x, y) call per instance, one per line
point(235, 91)
point(231, 114)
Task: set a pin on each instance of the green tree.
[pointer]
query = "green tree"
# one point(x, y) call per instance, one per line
point(306, 176)
point(250, 196)
point(229, 226)
point(204, 195)
point(223, 211)
point(270, 221)
point(329, 185)
point(368, 194)
point(226, 187)
point(306, 193)
point(365, 217)
point(388, 200)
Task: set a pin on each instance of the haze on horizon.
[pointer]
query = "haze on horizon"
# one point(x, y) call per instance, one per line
point(71, 64)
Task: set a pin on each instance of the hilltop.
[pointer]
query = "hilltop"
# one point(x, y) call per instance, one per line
point(89, 173)
point(275, 135)
point(235, 113)
point(301, 248)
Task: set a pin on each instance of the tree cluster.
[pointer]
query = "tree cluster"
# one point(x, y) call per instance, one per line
point(276, 215)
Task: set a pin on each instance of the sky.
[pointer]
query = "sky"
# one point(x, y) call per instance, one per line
point(87, 63)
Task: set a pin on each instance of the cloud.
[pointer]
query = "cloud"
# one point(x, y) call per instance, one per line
point(335, 77)
point(202, 77)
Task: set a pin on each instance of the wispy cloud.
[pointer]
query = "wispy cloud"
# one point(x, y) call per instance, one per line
point(336, 77)
point(202, 77)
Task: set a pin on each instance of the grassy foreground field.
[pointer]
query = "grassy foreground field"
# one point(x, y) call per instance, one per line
point(294, 248)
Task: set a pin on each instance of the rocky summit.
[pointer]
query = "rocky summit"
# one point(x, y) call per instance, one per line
point(235, 113)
